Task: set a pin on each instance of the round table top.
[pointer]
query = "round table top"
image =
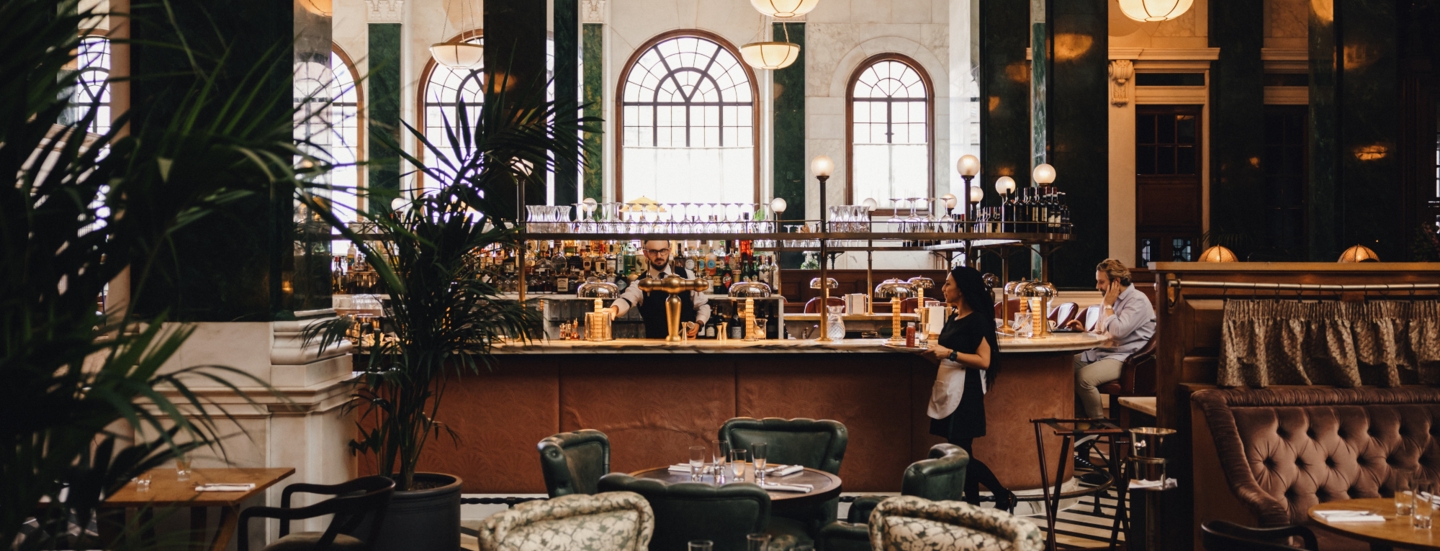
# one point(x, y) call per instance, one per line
point(827, 486)
point(1394, 531)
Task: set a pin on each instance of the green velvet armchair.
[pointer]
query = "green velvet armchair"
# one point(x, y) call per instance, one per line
point(697, 511)
point(939, 478)
point(573, 462)
point(815, 444)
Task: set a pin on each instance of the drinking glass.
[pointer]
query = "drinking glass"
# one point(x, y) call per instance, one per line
point(719, 451)
point(142, 481)
point(895, 218)
point(1401, 481)
point(697, 461)
point(701, 545)
point(760, 333)
point(1424, 507)
point(737, 464)
point(757, 542)
point(758, 452)
point(182, 468)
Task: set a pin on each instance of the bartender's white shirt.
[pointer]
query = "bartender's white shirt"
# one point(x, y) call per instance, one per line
point(633, 296)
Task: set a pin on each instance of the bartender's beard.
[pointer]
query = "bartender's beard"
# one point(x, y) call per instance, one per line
point(659, 265)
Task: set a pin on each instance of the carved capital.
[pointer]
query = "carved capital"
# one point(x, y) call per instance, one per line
point(385, 11)
point(592, 11)
point(1122, 71)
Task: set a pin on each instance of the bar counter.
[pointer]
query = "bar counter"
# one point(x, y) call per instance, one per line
point(654, 399)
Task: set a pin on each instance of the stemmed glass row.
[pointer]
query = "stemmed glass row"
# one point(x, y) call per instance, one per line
point(681, 217)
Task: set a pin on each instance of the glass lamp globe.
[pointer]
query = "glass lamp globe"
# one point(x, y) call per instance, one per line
point(870, 204)
point(784, 9)
point(1005, 185)
point(1151, 11)
point(822, 166)
point(976, 194)
point(778, 205)
point(969, 165)
point(1044, 174)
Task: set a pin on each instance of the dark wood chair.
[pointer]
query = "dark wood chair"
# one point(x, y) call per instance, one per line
point(358, 504)
point(1015, 305)
point(1137, 378)
point(1219, 535)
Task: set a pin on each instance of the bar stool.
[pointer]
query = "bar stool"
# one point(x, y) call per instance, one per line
point(1070, 430)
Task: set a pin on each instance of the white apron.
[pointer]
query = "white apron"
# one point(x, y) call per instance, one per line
point(949, 388)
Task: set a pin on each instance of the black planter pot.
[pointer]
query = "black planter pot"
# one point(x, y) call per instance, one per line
point(423, 520)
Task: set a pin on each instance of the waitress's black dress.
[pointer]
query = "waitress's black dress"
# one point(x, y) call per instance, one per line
point(964, 335)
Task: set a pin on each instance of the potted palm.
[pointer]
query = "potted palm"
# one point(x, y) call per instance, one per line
point(443, 316)
point(82, 208)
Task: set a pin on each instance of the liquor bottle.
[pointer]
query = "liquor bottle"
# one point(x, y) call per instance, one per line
point(690, 261)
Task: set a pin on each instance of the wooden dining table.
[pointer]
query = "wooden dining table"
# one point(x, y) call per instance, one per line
point(826, 486)
point(1396, 532)
point(166, 490)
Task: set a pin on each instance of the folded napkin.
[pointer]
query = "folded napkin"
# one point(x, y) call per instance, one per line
point(1151, 484)
point(683, 468)
point(800, 488)
point(783, 470)
point(1349, 516)
point(221, 487)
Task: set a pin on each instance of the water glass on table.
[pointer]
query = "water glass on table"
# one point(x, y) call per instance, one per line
point(758, 452)
point(697, 461)
point(757, 542)
point(142, 481)
point(737, 464)
point(1424, 508)
point(182, 468)
point(1401, 481)
point(701, 545)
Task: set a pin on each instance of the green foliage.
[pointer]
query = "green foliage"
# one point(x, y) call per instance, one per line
point(77, 383)
point(445, 317)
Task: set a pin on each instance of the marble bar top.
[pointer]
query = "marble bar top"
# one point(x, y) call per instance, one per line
point(1070, 342)
point(852, 317)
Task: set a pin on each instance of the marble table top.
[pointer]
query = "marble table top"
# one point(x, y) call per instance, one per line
point(1067, 342)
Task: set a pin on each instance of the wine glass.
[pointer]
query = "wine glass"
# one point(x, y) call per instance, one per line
point(758, 452)
point(895, 217)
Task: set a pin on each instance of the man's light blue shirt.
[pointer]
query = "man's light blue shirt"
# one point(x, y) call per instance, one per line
point(1131, 326)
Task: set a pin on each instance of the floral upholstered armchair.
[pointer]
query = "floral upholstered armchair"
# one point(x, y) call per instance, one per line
point(611, 521)
point(910, 523)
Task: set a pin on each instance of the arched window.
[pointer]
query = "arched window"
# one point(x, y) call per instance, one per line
point(442, 93)
point(688, 117)
point(890, 132)
point(92, 62)
point(346, 132)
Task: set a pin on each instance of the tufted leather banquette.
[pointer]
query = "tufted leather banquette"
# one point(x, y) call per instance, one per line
point(1283, 450)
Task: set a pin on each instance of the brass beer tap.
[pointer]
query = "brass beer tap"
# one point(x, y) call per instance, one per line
point(674, 285)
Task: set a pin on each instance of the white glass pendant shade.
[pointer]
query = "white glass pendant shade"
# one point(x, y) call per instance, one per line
point(822, 166)
point(784, 9)
point(770, 55)
point(458, 56)
point(969, 165)
point(1044, 174)
point(1005, 185)
point(976, 194)
point(1154, 10)
point(778, 205)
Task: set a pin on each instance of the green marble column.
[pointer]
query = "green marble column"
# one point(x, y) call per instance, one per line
point(515, 57)
point(1369, 203)
point(382, 121)
point(1238, 190)
point(1322, 226)
point(1078, 117)
point(1040, 55)
point(789, 126)
point(567, 92)
point(1004, 94)
point(593, 46)
point(247, 261)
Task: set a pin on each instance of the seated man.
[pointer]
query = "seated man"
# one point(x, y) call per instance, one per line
point(1127, 319)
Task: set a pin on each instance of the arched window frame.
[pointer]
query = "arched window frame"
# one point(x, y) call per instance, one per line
point(850, 124)
point(93, 80)
point(619, 128)
point(422, 103)
point(359, 119)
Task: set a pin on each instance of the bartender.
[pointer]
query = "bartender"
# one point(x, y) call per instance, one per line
point(694, 307)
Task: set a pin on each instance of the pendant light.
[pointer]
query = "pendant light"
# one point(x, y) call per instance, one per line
point(770, 55)
point(461, 56)
point(784, 9)
point(1150, 11)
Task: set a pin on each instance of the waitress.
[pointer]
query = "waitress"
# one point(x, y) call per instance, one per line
point(968, 356)
point(694, 307)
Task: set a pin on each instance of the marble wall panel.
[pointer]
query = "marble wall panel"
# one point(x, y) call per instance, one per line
point(383, 109)
point(790, 123)
point(566, 30)
point(1078, 112)
point(593, 48)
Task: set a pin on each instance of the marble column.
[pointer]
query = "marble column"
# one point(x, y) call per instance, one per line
point(789, 126)
point(515, 59)
point(1078, 123)
point(1004, 94)
point(1040, 55)
point(1369, 204)
point(593, 48)
point(1322, 227)
point(1238, 190)
point(566, 26)
point(382, 108)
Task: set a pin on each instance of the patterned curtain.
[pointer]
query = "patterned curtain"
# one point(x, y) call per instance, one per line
point(1382, 343)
